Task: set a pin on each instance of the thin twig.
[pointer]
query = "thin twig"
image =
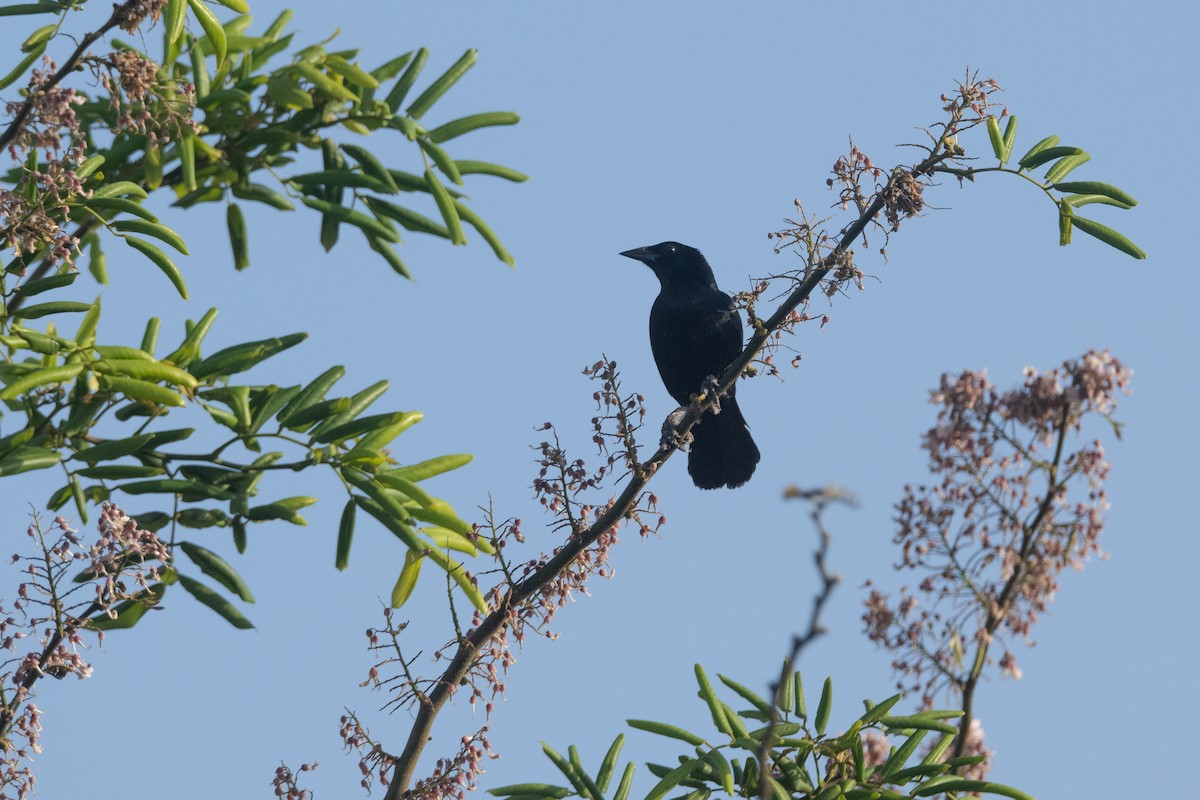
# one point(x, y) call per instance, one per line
point(820, 498)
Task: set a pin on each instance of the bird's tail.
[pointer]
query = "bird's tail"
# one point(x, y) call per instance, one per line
point(723, 452)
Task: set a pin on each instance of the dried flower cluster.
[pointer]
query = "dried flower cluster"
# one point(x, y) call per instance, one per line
point(373, 761)
point(53, 610)
point(1013, 507)
point(48, 143)
point(145, 105)
point(286, 783)
point(850, 173)
point(454, 777)
point(563, 487)
point(132, 13)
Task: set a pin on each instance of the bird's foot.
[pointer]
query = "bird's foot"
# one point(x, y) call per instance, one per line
point(712, 399)
point(670, 430)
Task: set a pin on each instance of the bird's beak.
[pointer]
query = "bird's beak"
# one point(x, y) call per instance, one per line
point(642, 254)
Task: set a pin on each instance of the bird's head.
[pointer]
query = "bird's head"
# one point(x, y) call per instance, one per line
point(674, 263)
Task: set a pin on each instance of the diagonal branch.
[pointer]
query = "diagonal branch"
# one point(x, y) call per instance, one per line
point(428, 706)
point(72, 63)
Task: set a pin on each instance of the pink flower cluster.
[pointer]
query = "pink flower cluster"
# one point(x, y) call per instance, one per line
point(1018, 499)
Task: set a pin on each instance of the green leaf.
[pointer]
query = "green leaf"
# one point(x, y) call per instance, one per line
point(112, 450)
point(40, 285)
point(993, 129)
point(439, 87)
point(948, 783)
point(393, 518)
point(1065, 166)
point(674, 778)
point(142, 390)
point(242, 357)
point(389, 255)
point(407, 580)
point(314, 392)
point(371, 166)
point(459, 575)
point(308, 181)
point(40, 377)
point(51, 307)
point(262, 194)
point(345, 535)
point(1035, 157)
point(146, 370)
point(532, 790)
point(474, 220)
point(917, 721)
point(710, 697)
point(900, 755)
point(466, 167)
point(275, 511)
point(443, 160)
point(446, 205)
point(160, 260)
point(824, 706)
point(355, 428)
point(44, 7)
point(1010, 138)
point(1106, 235)
point(212, 28)
point(434, 466)
point(464, 125)
point(174, 16)
point(323, 83)
point(1066, 216)
point(128, 612)
point(396, 96)
point(224, 609)
point(1049, 141)
point(408, 218)
point(24, 64)
point(352, 72)
point(97, 262)
point(1120, 197)
point(879, 710)
point(392, 68)
point(176, 486)
point(189, 350)
point(568, 771)
point(356, 218)
point(359, 403)
point(670, 731)
point(27, 459)
point(235, 225)
point(1076, 200)
point(609, 763)
point(187, 160)
point(746, 694)
point(798, 695)
point(626, 782)
point(119, 188)
point(218, 569)
point(119, 205)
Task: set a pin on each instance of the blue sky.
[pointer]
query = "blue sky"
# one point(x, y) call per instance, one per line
point(699, 122)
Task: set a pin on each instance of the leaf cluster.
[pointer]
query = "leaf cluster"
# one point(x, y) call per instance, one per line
point(802, 759)
point(235, 110)
point(1062, 161)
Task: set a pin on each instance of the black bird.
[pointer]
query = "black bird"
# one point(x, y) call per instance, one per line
point(695, 333)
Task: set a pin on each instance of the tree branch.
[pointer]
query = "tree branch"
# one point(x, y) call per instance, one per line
point(820, 498)
point(493, 623)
